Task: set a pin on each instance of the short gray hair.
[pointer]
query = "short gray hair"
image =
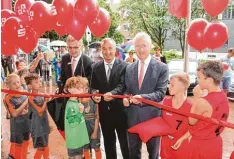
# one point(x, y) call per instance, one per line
point(144, 36)
point(110, 40)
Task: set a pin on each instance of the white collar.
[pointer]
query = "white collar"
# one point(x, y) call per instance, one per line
point(147, 61)
point(77, 58)
point(112, 62)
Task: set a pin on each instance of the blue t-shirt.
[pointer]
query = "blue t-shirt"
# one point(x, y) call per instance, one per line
point(230, 62)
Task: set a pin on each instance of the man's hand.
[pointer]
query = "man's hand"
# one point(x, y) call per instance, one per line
point(40, 55)
point(135, 100)
point(107, 96)
point(126, 102)
point(97, 99)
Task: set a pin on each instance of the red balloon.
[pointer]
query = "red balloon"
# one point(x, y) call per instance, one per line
point(215, 35)
point(22, 9)
point(86, 10)
point(14, 28)
point(63, 10)
point(178, 8)
point(40, 17)
point(101, 24)
point(214, 7)
point(225, 66)
point(5, 14)
point(28, 42)
point(195, 34)
point(76, 29)
point(7, 47)
point(60, 29)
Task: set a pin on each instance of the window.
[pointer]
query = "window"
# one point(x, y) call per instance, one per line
point(229, 12)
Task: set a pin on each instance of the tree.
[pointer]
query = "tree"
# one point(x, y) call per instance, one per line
point(178, 26)
point(112, 33)
point(148, 16)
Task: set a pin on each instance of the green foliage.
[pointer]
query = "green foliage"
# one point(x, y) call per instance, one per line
point(171, 54)
point(52, 35)
point(112, 33)
point(147, 16)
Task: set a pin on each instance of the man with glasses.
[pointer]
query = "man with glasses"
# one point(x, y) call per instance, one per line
point(75, 63)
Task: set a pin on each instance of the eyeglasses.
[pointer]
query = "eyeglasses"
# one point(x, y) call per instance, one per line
point(75, 47)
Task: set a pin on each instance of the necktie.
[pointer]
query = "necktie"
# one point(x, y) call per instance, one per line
point(108, 71)
point(141, 76)
point(73, 65)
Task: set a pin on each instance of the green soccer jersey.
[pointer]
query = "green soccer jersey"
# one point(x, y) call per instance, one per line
point(75, 127)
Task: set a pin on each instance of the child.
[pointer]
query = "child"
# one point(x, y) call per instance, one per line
point(39, 125)
point(206, 141)
point(171, 146)
point(92, 122)
point(17, 105)
point(22, 73)
point(75, 127)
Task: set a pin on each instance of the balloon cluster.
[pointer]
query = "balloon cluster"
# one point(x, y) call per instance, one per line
point(31, 19)
point(201, 34)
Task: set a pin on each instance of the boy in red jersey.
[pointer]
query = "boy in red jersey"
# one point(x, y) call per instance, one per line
point(206, 142)
point(179, 84)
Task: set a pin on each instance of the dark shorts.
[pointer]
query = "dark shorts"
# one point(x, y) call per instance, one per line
point(19, 138)
point(41, 141)
point(75, 152)
point(94, 143)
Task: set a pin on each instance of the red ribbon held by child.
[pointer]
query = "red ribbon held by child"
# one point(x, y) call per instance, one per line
point(148, 102)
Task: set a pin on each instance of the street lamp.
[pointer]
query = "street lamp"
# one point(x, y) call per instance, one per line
point(186, 46)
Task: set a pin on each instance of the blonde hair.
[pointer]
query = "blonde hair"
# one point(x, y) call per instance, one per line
point(76, 82)
point(183, 78)
point(10, 77)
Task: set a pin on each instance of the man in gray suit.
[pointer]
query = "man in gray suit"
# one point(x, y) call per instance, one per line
point(146, 78)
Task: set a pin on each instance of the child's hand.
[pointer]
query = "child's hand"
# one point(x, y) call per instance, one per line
point(94, 135)
point(81, 108)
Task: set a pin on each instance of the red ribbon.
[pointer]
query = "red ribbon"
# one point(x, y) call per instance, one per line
point(170, 109)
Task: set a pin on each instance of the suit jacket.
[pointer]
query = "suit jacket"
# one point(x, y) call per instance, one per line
point(115, 85)
point(83, 67)
point(153, 87)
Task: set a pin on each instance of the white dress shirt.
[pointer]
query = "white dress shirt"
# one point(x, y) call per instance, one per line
point(106, 65)
point(146, 64)
point(76, 62)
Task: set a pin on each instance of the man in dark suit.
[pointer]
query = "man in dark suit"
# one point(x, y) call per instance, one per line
point(74, 63)
point(146, 78)
point(108, 78)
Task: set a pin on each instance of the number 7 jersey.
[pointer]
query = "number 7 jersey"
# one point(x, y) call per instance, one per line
point(180, 124)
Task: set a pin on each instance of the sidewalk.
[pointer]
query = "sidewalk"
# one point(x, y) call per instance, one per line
point(57, 143)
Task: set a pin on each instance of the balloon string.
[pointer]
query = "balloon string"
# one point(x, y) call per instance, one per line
point(149, 102)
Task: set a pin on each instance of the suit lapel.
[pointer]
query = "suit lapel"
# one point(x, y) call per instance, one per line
point(102, 72)
point(147, 73)
point(135, 75)
point(69, 66)
point(114, 69)
point(79, 68)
